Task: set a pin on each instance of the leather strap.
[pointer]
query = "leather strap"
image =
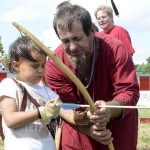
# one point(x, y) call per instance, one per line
point(25, 96)
point(33, 100)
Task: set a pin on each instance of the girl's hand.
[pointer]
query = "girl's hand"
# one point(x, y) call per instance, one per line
point(51, 108)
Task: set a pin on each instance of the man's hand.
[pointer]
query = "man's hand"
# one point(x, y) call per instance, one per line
point(102, 136)
point(101, 116)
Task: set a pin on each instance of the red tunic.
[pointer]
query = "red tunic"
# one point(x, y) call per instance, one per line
point(123, 35)
point(114, 78)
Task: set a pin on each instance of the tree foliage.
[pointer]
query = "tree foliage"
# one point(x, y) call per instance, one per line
point(3, 56)
point(6, 59)
point(143, 68)
point(1, 47)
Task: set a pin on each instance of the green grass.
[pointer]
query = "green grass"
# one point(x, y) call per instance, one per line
point(144, 137)
point(143, 131)
point(145, 113)
point(1, 144)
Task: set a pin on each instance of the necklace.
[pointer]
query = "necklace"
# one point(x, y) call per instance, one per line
point(93, 63)
point(44, 85)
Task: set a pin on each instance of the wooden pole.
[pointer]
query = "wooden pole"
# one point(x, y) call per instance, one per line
point(63, 67)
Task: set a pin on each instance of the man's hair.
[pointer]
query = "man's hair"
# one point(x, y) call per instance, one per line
point(65, 17)
point(106, 9)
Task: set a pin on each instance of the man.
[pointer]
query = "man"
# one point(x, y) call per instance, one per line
point(104, 16)
point(103, 65)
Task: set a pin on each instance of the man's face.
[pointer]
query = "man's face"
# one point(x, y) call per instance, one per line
point(76, 43)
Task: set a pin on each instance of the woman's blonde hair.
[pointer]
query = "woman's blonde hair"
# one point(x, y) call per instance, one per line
point(104, 8)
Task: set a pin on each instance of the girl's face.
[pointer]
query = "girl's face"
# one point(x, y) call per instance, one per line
point(30, 72)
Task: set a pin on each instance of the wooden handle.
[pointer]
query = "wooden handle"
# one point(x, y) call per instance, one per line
point(58, 137)
point(62, 66)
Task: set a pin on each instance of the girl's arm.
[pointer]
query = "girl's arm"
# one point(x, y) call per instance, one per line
point(14, 118)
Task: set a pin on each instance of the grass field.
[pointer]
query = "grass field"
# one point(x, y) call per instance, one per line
point(144, 137)
point(144, 132)
point(1, 145)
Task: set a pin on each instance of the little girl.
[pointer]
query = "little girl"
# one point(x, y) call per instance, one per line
point(25, 127)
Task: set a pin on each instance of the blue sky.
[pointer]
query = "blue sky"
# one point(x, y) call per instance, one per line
point(37, 16)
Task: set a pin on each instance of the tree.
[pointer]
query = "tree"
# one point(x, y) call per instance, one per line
point(5, 59)
point(147, 66)
point(1, 47)
point(3, 56)
point(140, 68)
point(143, 68)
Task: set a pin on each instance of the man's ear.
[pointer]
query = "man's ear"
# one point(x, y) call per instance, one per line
point(15, 65)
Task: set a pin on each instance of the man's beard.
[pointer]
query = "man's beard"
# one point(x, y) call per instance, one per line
point(78, 62)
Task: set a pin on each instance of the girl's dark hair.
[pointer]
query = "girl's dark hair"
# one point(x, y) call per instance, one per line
point(21, 49)
point(65, 17)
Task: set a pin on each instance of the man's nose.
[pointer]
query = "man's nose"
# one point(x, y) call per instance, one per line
point(73, 46)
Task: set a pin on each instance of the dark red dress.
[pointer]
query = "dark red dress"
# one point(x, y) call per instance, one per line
point(114, 78)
